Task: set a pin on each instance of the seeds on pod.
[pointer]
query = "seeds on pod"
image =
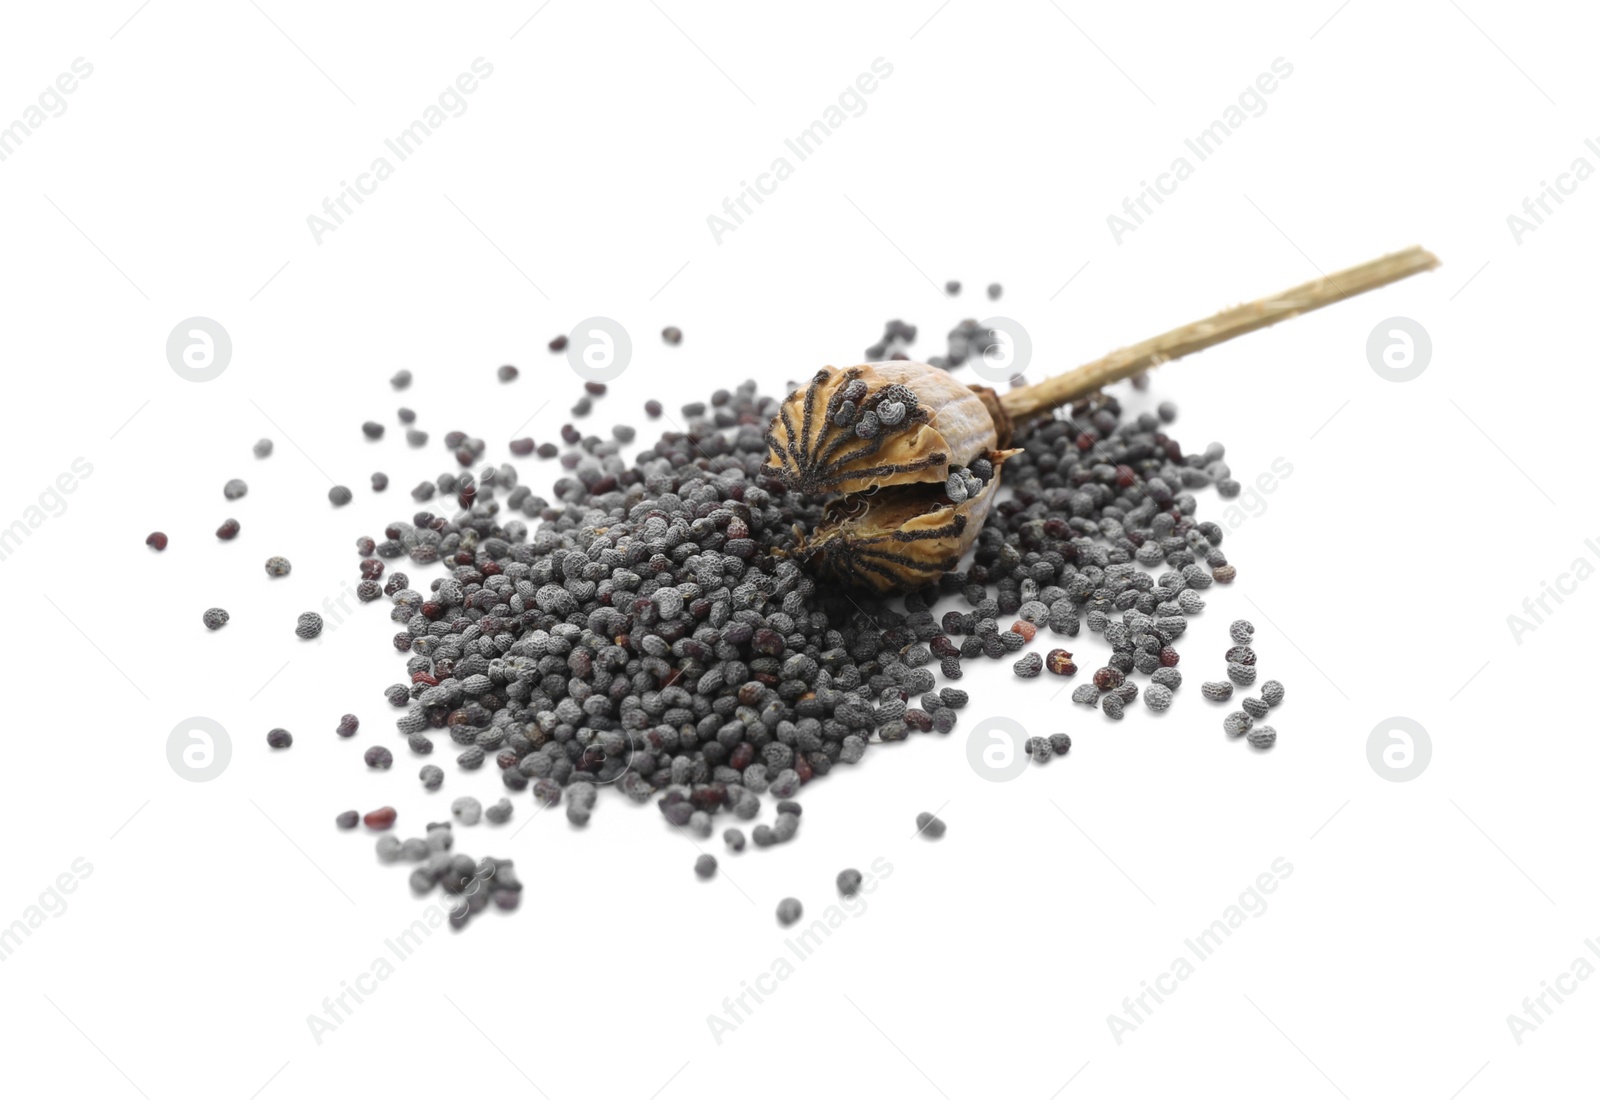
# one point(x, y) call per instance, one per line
point(1272, 693)
point(1218, 691)
point(1263, 737)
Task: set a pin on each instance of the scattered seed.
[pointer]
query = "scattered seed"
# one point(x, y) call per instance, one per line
point(215, 618)
point(432, 776)
point(348, 820)
point(1263, 737)
point(1156, 697)
point(1029, 666)
point(339, 496)
point(279, 738)
point(705, 865)
point(1272, 693)
point(401, 379)
point(467, 809)
point(378, 757)
point(1241, 631)
point(930, 826)
point(672, 335)
point(372, 429)
point(262, 448)
point(506, 373)
point(1237, 724)
point(1086, 694)
point(156, 540)
point(380, 482)
point(309, 625)
point(229, 528)
point(348, 725)
point(788, 911)
point(235, 489)
point(1218, 691)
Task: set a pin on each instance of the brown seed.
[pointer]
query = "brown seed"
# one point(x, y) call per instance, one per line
point(1059, 661)
point(1026, 629)
point(229, 528)
point(156, 541)
point(381, 818)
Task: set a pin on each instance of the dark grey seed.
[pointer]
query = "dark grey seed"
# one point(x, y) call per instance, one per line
point(1237, 723)
point(1255, 708)
point(401, 379)
point(1112, 705)
point(406, 415)
point(215, 618)
point(930, 826)
point(1060, 743)
point(235, 489)
point(499, 813)
point(263, 448)
point(339, 496)
point(380, 482)
point(432, 776)
point(1272, 693)
point(1241, 674)
point(372, 429)
point(416, 437)
point(1156, 697)
point(378, 757)
point(348, 820)
point(279, 738)
point(1217, 691)
point(788, 911)
point(705, 865)
point(849, 882)
point(1169, 678)
point(1263, 737)
point(734, 839)
point(1029, 667)
point(278, 566)
point(952, 288)
point(506, 373)
point(1087, 694)
point(309, 625)
point(1241, 631)
point(994, 291)
point(348, 726)
point(672, 335)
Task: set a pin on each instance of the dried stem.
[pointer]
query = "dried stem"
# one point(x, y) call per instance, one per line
point(1038, 399)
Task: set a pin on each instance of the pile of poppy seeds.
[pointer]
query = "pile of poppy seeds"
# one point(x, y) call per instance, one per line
point(645, 627)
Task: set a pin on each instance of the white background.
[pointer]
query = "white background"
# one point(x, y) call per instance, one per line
point(1380, 574)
